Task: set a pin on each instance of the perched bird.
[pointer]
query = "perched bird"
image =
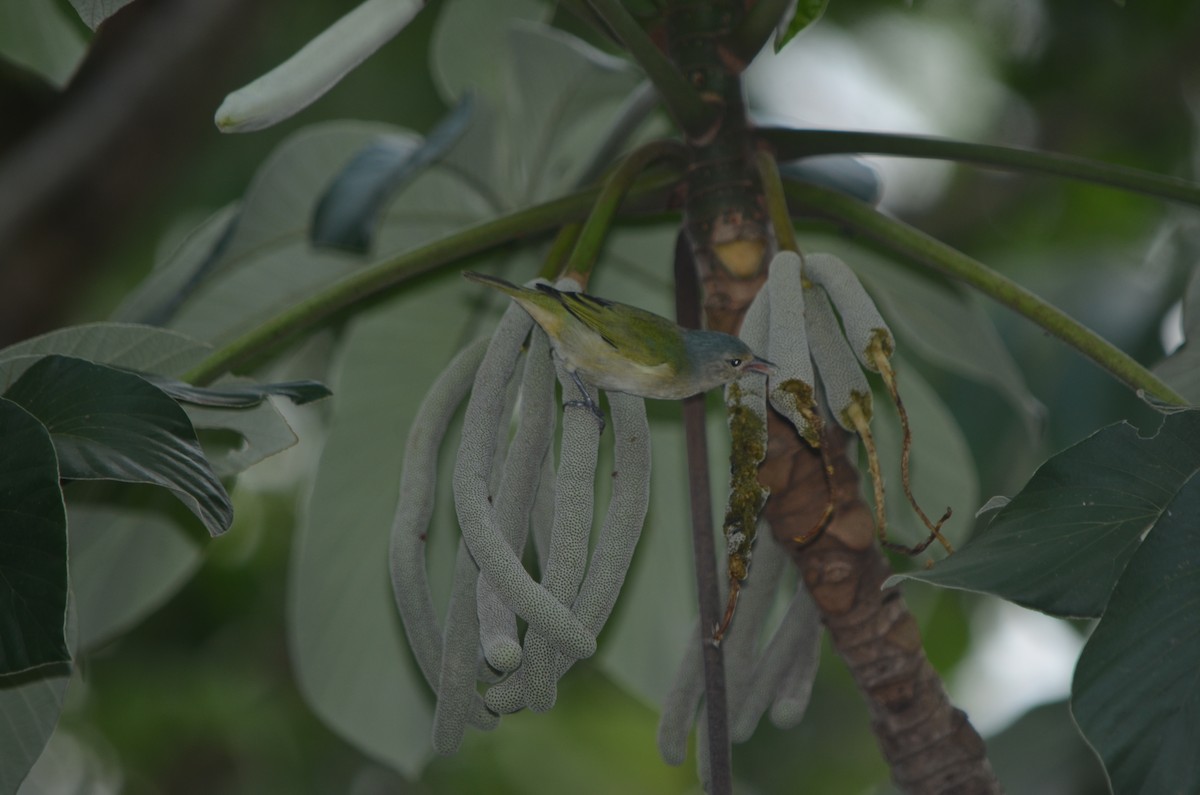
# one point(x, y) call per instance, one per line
point(621, 348)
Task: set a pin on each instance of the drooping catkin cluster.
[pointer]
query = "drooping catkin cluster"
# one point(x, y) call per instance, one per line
point(820, 329)
point(824, 328)
point(770, 663)
point(504, 492)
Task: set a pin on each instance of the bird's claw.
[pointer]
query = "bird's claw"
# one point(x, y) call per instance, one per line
point(590, 406)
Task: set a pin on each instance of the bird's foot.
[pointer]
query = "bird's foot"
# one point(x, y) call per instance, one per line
point(591, 406)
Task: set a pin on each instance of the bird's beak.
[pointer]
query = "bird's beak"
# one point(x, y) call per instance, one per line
point(761, 365)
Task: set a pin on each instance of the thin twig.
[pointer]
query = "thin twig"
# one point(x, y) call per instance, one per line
point(687, 309)
point(794, 144)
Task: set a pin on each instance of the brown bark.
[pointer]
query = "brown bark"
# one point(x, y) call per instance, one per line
point(930, 745)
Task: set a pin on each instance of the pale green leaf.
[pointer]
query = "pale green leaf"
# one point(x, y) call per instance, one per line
point(93, 12)
point(135, 347)
point(468, 45)
point(268, 263)
point(340, 594)
point(30, 703)
point(38, 36)
point(127, 558)
point(317, 67)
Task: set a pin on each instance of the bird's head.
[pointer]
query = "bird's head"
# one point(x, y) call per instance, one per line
point(718, 358)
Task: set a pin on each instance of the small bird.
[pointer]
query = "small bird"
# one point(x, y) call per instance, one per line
point(621, 348)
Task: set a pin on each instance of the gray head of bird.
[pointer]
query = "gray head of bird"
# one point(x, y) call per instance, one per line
point(717, 358)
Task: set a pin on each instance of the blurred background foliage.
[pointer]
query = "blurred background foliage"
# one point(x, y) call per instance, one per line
point(201, 695)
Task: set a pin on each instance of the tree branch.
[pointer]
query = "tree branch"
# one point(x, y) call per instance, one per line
point(930, 745)
point(687, 311)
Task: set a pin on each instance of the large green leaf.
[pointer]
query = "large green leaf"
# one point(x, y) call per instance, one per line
point(31, 703)
point(129, 553)
point(181, 264)
point(340, 595)
point(233, 441)
point(93, 12)
point(135, 347)
point(112, 425)
point(33, 545)
point(466, 49)
point(266, 263)
point(40, 37)
point(317, 67)
point(349, 211)
point(1136, 693)
point(1061, 544)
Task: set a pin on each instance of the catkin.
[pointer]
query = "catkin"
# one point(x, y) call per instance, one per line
point(683, 700)
point(418, 481)
point(861, 320)
point(574, 494)
point(741, 644)
point(473, 500)
point(460, 655)
point(618, 538)
point(792, 393)
point(844, 382)
point(784, 672)
point(516, 494)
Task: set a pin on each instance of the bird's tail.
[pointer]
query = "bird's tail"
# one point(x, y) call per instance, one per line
point(494, 282)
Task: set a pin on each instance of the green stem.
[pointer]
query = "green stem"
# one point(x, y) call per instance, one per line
point(795, 144)
point(777, 209)
point(374, 280)
point(757, 26)
point(685, 104)
point(556, 258)
point(595, 230)
point(914, 244)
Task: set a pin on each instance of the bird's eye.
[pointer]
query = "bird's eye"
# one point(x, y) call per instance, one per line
point(735, 362)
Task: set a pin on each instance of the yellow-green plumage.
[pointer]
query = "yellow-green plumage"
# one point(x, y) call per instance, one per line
point(618, 347)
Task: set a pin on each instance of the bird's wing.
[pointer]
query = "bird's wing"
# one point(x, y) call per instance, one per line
point(640, 336)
